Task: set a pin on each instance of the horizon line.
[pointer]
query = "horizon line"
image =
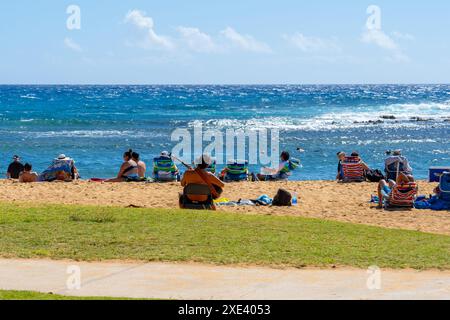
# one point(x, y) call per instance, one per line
point(223, 84)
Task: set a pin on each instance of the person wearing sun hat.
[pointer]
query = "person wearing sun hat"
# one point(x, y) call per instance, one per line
point(200, 175)
point(396, 163)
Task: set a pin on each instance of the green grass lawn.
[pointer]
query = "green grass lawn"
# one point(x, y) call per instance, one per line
point(102, 233)
point(31, 295)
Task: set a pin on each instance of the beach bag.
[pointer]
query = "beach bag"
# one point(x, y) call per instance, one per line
point(374, 175)
point(283, 198)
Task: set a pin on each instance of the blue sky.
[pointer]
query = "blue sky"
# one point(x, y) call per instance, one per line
point(227, 42)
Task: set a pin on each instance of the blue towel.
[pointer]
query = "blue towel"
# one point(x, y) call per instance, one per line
point(434, 203)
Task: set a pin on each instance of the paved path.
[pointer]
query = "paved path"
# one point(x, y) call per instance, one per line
point(193, 281)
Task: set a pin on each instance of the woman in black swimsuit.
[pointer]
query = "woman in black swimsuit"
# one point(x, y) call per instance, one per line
point(128, 170)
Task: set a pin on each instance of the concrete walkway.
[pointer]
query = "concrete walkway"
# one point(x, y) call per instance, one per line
point(194, 281)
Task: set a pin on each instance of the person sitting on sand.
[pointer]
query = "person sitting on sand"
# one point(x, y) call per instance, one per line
point(396, 162)
point(128, 171)
point(385, 187)
point(341, 157)
point(61, 169)
point(28, 176)
point(279, 174)
point(356, 155)
point(142, 167)
point(199, 175)
point(14, 169)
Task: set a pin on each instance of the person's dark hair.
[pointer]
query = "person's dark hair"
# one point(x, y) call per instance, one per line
point(285, 156)
point(355, 154)
point(27, 167)
point(135, 156)
point(128, 154)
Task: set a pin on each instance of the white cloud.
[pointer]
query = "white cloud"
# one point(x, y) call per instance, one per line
point(140, 20)
point(403, 36)
point(311, 44)
point(72, 45)
point(197, 40)
point(245, 42)
point(384, 41)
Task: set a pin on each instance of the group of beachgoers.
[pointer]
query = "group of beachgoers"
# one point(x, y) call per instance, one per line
point(133, 169)
point(351, 168)
point(398, 172)
point(24, 172)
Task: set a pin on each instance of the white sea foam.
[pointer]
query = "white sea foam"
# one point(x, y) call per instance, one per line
point(90, 134)
point(29, 96)
point(396, 115)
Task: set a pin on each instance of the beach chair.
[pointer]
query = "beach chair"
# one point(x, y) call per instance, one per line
point(212, 167)
point(236, 171)
point(394, 169)
point(165, 170)
point(352, 170)
point(402, 197)
point(192, 190)
point(444, 186)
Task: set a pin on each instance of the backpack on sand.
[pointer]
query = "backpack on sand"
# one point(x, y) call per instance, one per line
point(282, 199)
point(374, 175)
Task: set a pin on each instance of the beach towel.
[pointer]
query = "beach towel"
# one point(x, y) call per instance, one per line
point(236, 170)
point(60, 169)
point(434, 203)
point(352, 170)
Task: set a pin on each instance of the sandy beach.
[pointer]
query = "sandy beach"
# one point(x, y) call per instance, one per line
point(317, 199)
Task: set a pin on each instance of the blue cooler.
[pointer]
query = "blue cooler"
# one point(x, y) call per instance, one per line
point(435, 172)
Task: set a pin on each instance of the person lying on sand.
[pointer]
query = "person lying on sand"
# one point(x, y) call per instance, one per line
point(142, 167)
point(385, 187)
point(28, 176)
point(281, 173)
point(128, 171)
point(199, 175)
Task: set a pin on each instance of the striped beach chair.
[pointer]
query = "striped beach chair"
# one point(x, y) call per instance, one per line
point(352, 170)
point(237, 170)
point(402, 196)
point(165, 170)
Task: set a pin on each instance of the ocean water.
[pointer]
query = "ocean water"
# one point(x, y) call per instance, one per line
point(96, 124)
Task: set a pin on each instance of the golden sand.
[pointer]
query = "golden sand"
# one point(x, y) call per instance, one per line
point(317, 199)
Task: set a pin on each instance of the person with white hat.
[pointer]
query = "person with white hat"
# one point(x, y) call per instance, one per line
point(200, 176)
